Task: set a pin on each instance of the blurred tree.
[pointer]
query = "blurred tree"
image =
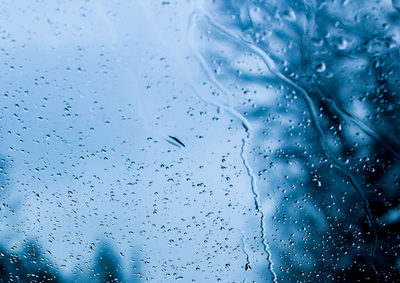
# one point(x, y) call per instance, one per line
point(332, 69)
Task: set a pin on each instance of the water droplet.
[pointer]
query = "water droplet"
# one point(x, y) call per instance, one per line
point(321, 67)
point(341, 44)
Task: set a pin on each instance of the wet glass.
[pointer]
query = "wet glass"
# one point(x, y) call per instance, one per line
point(201, 141)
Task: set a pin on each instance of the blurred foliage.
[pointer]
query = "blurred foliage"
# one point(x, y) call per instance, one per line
point(320, 79)
point(30, 265)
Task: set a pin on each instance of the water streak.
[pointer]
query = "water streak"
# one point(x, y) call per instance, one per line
point(270, 64)
point(257, 203)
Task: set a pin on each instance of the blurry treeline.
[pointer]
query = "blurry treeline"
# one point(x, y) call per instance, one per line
point(31, 265)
